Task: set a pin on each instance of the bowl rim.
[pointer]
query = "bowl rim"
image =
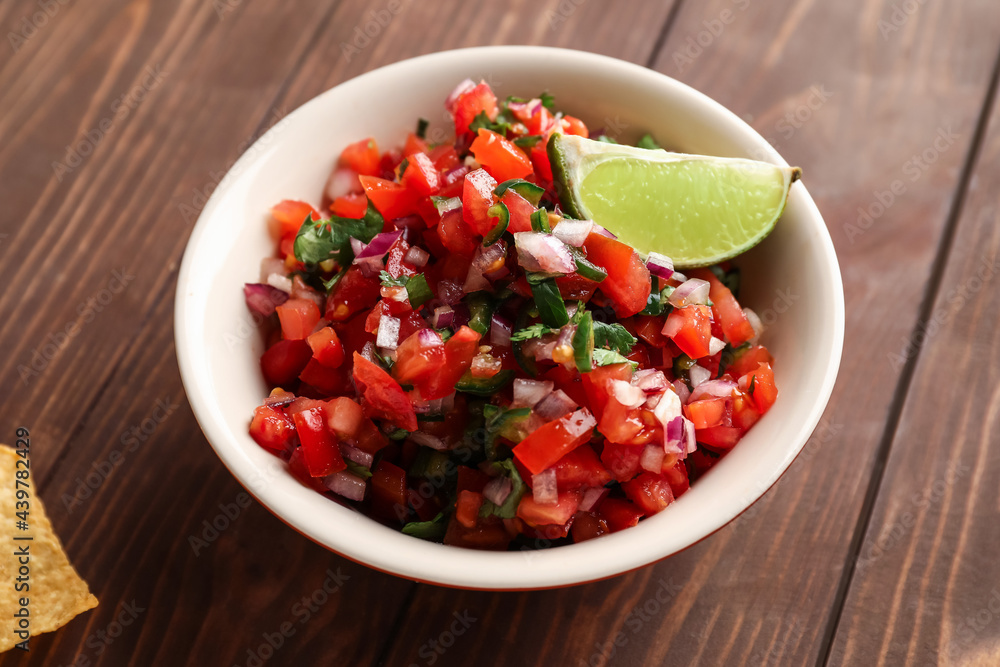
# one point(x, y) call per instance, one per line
point(548, 568)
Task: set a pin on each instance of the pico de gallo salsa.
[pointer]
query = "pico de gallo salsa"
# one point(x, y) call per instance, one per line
point(454, 357)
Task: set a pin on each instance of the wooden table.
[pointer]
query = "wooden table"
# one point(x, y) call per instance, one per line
point(879, 546)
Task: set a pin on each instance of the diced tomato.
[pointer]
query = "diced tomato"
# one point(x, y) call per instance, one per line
point(580, 469)
point(320, 452)
point(536, 514)
point(749, 360)
point(619, 514)
point(298, 318)
point(456, 235)
point(329, 381)
point(459, 350)
point(575, 287)
point(520, 212)
point(719, 438)
point(620, 424)
point(303, 403)
point(540, 161)
point(627, 285)
point(388, 485)
point(540, 122)
point(388, 163)
point(383, 397)
point(706, 413)
point(745, 413)
point(650, 329)
point(477, 197)
point(597, 384)
point(549, 443)
point(488, 535)
point(410, 323)
point(467, 507)
point(344, 417)
point(326, 347)
point(501, 158)
point(272, 429)
point(759, 387)
point(290, 215)
point(677, 477)
point(691, 329)
point(587, 526)
point(735, 325)
point(362, 156)
point(650, 492)
point(622, 461)
point(421, 176)
point(283, 361)
point(473, 102)
point(419, 356)
point(354, 292)
point(391, 199)
point(573, 125)
point(350, 206)
point(395, 261)
point(444, 157)
point(297, 467)
point(414, 144)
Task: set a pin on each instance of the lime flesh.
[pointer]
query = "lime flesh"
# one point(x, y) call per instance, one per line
point(698, 210)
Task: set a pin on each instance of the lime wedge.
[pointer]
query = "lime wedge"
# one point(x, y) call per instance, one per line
point(696, 209)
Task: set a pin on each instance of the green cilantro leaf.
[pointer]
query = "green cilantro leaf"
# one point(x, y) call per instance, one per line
point(534, 331)
point(320, 240)
point(648, 142)
point(359, 470)
point(613, 336)
point(604, 357)
point(417, 290)
point(432, 530)
point(548, 101)
point(509, 507)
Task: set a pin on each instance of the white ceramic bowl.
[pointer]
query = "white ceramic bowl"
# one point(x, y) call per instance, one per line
point(792, 280)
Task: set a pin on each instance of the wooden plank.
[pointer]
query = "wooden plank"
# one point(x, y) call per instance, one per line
point(926, 589)
point(191, 601)
point(764, 590)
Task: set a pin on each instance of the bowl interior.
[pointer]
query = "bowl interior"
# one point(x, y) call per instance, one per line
point(791, 279)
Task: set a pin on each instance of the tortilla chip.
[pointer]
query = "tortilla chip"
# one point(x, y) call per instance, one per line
point(56, 593)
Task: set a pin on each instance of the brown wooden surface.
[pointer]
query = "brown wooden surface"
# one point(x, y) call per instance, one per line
point(877, 547)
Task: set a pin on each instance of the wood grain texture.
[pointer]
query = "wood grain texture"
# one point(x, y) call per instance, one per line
point(928, 560)
point(762, 591)
point(765, 590)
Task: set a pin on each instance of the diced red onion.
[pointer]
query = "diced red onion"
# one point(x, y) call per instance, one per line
point(370, 266)
point(573, 232)
point(604, 232)
point(280, 282)
point(270, 266)
point(543, 486)
point(462, 315)
point(543, 252)
point(395, 293)
point(652, 458)
point(263, 299)
point(544, 351)
point(497, 490)
point(691, 292)
point(345, 484)
point(444, 316)
point(758, 326)
point(626, 394)
point(458, 172)
point(699, 375)
point(452, 99)
point(692, 444)
point(429, 338)
point(450, 204)
point(555, 405)
point(368, 352)
point(475, 280)
point(500, 330)
point(668, 409)
point(679, 277)
point(450, 293)
point(486, 259)
point(650, 380)
point(716, 345)
point(359, 456)
point(428, 440)
point(675, 436)
point(527, 393)
point(342, 181)
point(593, 497)
point(388, 332)
point(416, 256)
point(357, 246)
point(659, 265)
point(682, 390)
point(302, 291)
point(380, 245)
point(712, 389)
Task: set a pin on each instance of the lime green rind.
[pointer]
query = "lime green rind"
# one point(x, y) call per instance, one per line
point(705, 209)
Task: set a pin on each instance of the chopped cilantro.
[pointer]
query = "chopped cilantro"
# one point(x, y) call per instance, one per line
point(320, 240)
point(613, 336)
point(648, 142)
point(433, 530)
point(509, 507)
point(604, 357)
point(534, 331)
